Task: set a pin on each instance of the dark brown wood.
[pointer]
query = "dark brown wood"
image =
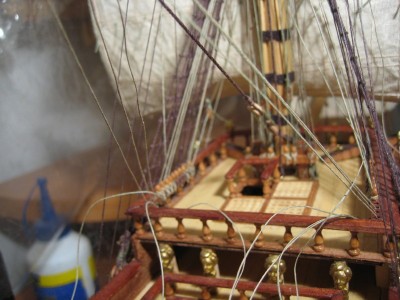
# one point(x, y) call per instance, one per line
point(267, 246)
point(119, 281)
point(131, 280)
point(154, 291)
point(266, 288)
point(211, 148)
point(356, 225)
point(269, 169)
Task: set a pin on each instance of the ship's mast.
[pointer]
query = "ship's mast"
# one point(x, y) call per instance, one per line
point(277, 58)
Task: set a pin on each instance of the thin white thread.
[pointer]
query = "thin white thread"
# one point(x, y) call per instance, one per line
point(346, 181)
point(84, 221)
point(312, 237)
point(261, 232)
point(158, 248)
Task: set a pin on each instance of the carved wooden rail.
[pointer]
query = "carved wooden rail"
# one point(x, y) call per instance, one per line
point(231, 240)
point(210, 153)
point(125, 285)
point(237, 177)
point(205, 283)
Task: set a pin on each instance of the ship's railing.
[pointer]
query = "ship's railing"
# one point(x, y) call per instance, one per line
point(208, 156)
point(207, 283)
point(262, 171)
point(125, 285)
point(230, 239)
point(266, 174)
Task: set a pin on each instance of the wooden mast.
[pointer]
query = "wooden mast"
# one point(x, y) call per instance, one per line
point(277, 64)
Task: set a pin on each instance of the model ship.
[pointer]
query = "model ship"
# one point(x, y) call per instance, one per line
point(249, 212)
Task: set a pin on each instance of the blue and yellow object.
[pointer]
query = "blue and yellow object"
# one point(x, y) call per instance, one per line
point(60, 272)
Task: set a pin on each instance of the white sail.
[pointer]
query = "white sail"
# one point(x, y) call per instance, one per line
point(154, 43)
point(376, 26)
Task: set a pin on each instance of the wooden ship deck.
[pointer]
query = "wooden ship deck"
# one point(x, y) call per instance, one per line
point(236, 201)
point(240, 216)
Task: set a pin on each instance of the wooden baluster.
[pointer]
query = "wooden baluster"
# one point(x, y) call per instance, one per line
point(276, 175)
point(230, 233)
point(213, 159)
point(354, 245)
point(287, 236)
point(158, 229)
point(341, 275)
point(202, 168)
point(181, 229)
point(205, 293)
point(207, 235)
point(223, 151)
point(242, 177)
point(138, 226)
point(319, 242)
point(169, 289)
point(242, 295)
point(260, 239)
point(232, 188)
point(388, 247)
point(266, 188)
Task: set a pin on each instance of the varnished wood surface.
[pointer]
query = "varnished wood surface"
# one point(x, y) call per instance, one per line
point(356, 225)
point(119, 282)
point(268, 288)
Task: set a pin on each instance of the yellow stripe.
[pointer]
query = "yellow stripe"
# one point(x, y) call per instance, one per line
point(59, 279)
point(92, 267)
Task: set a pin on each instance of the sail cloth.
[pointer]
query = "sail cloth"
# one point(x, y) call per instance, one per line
point(154, 43)
point(375, 25)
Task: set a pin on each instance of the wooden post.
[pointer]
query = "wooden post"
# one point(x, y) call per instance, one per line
point(181, 229)
point(242, 295)
point(260, 238)
point(158, 229)
point(287, 236)
point(202, 168)
point(230, 233)
point(319, 242)
point(223, 151)
point(207, 235)
point(354, 245)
